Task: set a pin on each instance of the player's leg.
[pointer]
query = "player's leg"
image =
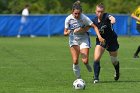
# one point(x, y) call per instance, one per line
point(84, 50)
point(99, 50)
point(85, 54)
point(137, 52)
point(19, 31)
point(115, 62)
point(75, 51)
point(138, 49)
point(22, 24)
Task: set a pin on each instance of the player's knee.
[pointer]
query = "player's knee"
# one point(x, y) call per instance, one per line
point(96, 59)
point(114, 60)
point(85, 60)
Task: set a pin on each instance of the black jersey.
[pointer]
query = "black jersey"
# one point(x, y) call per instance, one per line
point(105, 27)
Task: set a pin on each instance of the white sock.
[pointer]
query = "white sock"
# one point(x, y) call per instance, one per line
point(76, 70)
point(88, 67)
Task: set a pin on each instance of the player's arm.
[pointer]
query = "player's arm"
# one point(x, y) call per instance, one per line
point(112, 19)
point(135, 13)
point(98, 34)
point(135, 17)
point(82, 29)
point(66, 32)
point(86, 26)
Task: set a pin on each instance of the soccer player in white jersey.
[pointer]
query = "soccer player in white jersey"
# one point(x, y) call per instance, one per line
point(76, 26)
point(25, 14)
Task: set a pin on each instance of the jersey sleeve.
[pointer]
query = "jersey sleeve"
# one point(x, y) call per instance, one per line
point(67, 23)
point(94, 21)
point(25, 12)
point(106, 16)
point(87, 21)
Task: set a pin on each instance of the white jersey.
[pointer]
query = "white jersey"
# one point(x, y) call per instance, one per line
point(71, 23)
point(25, 13)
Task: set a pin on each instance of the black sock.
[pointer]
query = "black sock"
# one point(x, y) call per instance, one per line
point(138, 50)
point(96, 67)
point(117, 68)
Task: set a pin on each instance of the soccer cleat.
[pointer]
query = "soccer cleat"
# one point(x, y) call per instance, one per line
point(96, 81)
point(32, 36)
point(117, 72)
point(116, 76)
point(18, 36)
point(136, 56)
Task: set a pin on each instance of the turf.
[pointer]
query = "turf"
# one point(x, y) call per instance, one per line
point(44, 65)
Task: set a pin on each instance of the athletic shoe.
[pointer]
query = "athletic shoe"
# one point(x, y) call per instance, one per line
point(18, 36)
point(32, 36)
point(96, 81)
point(116, 76)
point(117, 72)
point(136, 56)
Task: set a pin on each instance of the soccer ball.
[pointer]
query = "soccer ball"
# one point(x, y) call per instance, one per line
point(79, 84)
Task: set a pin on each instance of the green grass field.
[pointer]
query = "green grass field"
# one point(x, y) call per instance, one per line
point(44, 65)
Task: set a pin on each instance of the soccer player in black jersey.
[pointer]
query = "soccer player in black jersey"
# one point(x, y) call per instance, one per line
point(104, 22)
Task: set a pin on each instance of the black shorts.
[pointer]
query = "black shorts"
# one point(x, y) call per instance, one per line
point(109, 45)
point(138, 27)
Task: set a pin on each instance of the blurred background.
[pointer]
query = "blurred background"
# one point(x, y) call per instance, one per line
point(47, 16)
point(43, 65)
point(64, 6)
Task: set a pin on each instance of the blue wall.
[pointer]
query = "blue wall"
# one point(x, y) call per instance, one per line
point(48, 25)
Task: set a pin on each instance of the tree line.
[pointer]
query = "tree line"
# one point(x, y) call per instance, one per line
point(64, 6)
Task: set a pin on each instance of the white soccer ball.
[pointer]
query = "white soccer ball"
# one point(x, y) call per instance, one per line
point(79, 84)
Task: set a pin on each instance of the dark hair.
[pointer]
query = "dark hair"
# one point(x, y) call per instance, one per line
point(27, 5)
point(101, 5)
point(77, 6)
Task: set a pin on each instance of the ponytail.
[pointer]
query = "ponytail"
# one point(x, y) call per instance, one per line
point(77, 5)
